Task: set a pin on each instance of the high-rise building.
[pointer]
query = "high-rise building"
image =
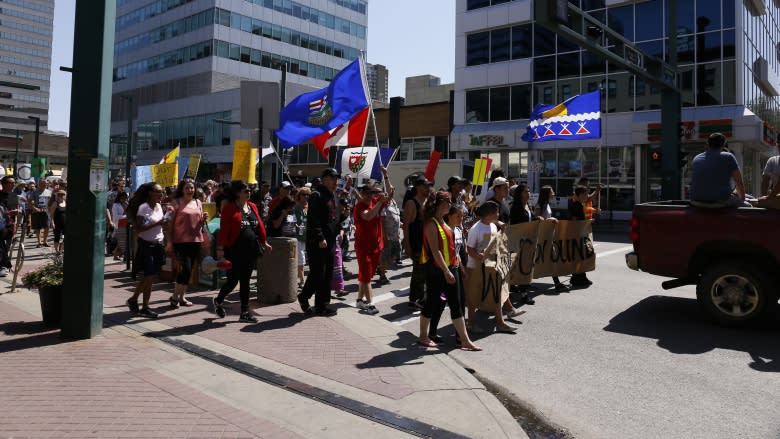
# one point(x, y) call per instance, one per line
point(182, 62)
point(25, 66)
point(377, 77)
point(729, 59)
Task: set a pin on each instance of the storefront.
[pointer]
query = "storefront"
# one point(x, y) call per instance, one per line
point(622, 160)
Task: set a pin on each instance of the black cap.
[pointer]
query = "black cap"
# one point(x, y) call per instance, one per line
point(455, 179)
point(422, 180)
point(331, 172)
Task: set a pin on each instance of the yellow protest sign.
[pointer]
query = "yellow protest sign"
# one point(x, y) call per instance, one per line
point(244, 161)
point(192, 169)
point(166, 174)
point(210, 209)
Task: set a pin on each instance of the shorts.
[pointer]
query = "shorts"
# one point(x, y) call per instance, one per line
point(391, 252)
point(39, 220)
point(150, 257)
point(367, 264)
point(301, 253)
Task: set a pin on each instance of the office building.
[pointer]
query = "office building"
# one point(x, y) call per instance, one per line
point(377, 77)
point(424, 89)
point(183, 61)
point(728, 54)
point(25, 68)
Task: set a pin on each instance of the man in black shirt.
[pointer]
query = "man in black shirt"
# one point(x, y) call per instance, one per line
point(322, 227)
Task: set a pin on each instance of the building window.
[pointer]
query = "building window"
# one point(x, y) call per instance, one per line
point(477, 106)
point(522, 41)
point(499, 45)
point(499, 103)
point(521, 102)
point(478, 48)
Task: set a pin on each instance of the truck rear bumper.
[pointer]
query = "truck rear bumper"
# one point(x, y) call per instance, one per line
point(632, 261)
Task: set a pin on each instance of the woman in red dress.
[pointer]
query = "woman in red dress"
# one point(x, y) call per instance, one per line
point(369, 240)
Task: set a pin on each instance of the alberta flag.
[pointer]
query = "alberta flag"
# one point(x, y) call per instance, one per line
point(575, 119)
point(323, 113)
point(363, 162)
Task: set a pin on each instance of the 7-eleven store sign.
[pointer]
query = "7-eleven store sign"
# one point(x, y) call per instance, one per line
point(694, 130)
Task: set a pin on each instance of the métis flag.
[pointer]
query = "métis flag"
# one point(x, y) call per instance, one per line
point(363, 162)
point(322, 111)
point(171, 157)
point(577, 118)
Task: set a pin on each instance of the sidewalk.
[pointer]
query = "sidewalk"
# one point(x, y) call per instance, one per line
point(190, 374)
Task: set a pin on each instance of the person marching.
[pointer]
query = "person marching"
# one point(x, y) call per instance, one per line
point(242, 239)
point(322, 226)
point(369, 240)
point(148, 221)
point(441, 264)
point(186, 238)
point(57, 213)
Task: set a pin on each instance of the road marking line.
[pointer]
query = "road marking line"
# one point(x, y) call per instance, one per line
point(617, 250)
point(391, 295)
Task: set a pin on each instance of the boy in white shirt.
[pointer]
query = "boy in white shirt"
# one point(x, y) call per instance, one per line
point(478, 239)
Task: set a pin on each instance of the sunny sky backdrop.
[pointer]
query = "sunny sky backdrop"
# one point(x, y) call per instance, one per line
point(409, 37)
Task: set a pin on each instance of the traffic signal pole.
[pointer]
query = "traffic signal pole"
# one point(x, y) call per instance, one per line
point(93, 48)
point(671, 177)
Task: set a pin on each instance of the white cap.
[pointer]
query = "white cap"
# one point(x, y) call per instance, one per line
point(499, 181)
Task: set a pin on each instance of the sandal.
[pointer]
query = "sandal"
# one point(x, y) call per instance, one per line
point(185, 302)
point(427, 343)
point(471, 348)
point(505, 329)
point(174, 303)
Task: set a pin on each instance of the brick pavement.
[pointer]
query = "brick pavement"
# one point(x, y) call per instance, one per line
point(105, 387)
point(320, 346)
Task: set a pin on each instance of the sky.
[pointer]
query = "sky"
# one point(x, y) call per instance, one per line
point(409, 37)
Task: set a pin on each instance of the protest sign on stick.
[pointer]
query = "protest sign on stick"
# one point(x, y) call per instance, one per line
point(244, 161)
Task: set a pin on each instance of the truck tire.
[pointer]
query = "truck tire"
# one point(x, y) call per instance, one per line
point(734, 294)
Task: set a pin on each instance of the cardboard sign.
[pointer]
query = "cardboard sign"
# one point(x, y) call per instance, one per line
point(486, 287)
point(549, 248)
point(166, 174)
point(244, 161)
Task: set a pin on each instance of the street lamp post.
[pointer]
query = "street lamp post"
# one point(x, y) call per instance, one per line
point(16, 155)
point(128, 159)
point(37, 133)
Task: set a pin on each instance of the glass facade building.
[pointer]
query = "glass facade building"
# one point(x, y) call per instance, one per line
point(25, 65)
point(507, 64)
point(183, 61)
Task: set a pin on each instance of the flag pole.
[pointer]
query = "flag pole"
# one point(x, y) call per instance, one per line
point(370, 110)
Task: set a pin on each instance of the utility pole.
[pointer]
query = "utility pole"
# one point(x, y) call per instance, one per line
point(16, 155)
point(90, 117)
point(37, 133)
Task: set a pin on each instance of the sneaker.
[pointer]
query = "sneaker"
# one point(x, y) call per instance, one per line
point(3, 272)
point(146, 312)
point(133, 305)
point(218, 309)
point(371, 309)
point(362, 305)
point(342, 293)
point(304, 304)
point(247, 317)
point(561, 288)
point(326, 312)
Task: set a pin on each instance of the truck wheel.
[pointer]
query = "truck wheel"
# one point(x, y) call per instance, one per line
point(735, 295)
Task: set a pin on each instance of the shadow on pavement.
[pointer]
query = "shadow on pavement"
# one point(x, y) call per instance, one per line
point(407, 351)
point(681, 328)
point(39, 336)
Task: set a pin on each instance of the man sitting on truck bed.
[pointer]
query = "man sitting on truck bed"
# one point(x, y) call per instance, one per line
point(712, 173)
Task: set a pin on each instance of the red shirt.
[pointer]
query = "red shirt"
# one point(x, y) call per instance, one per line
point(368, 234)
point(230, 224)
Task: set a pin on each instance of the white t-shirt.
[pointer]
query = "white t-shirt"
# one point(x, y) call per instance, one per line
point(772, 170)
point(479, 238)
point(149, 215)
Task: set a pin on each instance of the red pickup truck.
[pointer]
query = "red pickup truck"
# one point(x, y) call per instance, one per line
point(731, 255)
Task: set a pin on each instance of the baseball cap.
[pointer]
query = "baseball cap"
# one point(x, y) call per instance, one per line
point(499, 181)
point(331, 172)
point(455, 179)
point(422, 180)
point(286, 184)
